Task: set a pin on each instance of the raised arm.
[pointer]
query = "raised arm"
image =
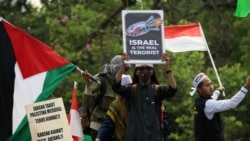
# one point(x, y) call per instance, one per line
point(170, 76)
point(214, 106)
point(121, 71)
point(247, 83)
point(86, 75)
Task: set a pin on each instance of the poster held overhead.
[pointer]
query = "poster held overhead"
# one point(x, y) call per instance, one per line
point(143, 36)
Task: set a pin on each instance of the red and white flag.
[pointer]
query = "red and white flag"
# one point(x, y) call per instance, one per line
point(189, 37)
point(74, 118)
point(182, 38)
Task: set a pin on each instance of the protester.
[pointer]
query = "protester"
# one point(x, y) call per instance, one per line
point(165, 124)
point(207, 119)
point(99, 94)
point(117, 118)
point(115, 121)
point(144, 99)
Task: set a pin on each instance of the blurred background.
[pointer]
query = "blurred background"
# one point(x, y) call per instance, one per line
point(89, 33)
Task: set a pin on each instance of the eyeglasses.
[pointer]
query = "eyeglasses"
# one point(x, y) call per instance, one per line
point(145, 68)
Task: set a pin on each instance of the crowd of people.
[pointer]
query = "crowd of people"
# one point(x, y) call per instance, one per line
point(133, 111)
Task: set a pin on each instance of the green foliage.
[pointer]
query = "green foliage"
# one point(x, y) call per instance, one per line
point(181, 107)
point(233, 129)
point(89, 33)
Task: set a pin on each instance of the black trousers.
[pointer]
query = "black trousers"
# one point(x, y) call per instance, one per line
point(93, 134)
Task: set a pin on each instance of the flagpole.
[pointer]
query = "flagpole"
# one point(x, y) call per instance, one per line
point(81, 71)
point(75, 84)
point(211, 58)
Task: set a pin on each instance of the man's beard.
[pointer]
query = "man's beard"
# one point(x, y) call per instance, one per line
point(144, 76)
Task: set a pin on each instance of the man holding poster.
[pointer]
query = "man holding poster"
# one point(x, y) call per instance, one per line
point(143, 35)
point(144, 99)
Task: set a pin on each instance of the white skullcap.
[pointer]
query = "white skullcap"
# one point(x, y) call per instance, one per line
point(196, 81)
point(139, 65)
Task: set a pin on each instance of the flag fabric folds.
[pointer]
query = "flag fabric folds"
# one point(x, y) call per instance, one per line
point(74, 117)
point(242, 8)
point(182, 38)
point(189, 37)
point(30, 71)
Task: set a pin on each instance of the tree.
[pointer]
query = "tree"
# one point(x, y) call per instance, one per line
point(89, 33)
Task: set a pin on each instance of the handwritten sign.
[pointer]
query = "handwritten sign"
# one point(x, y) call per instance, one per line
point(143, 35)
point(48, 121)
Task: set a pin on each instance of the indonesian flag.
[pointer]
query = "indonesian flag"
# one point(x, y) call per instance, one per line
point(74, 118)
point(182, 38)
point(30, 71)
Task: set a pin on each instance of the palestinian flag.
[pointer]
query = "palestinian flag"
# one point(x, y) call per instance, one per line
point(30, 71)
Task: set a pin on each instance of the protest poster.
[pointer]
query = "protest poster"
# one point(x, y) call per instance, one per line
point(143, 36)
point(48, 121)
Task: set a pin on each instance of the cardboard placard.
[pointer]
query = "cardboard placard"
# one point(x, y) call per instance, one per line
point(48, 121)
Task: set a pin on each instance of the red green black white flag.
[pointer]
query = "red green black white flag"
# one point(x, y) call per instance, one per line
point(30, 72)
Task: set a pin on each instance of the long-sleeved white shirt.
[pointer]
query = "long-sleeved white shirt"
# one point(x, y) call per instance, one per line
point(213, 105)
